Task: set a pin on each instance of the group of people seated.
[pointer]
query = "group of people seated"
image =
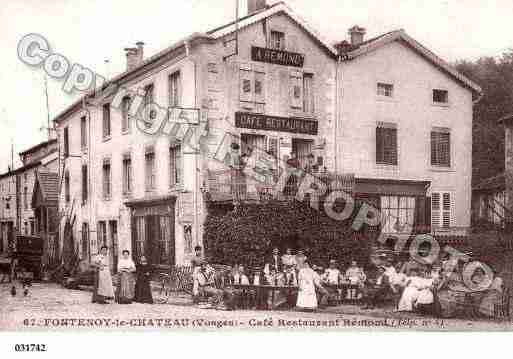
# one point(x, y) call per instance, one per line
point(314, 286)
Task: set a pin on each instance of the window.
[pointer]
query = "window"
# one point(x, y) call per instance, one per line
point(25, 227)
point(386, 144)
point(84, 184)
point(114, 247)
point(25, 197)
point(308, 94)
point(85, 241)
point(175, 165)
point(106, 121)
point(440, 96)
point(66, 187)
point(83, 133)
point(252, 90)
point(125, 114)
point(174, 89)
point(440, 210)
point(147, 108)
point(106, 179)
point(386, 90)
point(66, 142)
point(277, 40)
point(127, 174)
point(296, 90)
point(398, 213)
point(101, 237)
point(32, 227)
point(441, 148)
point(149, 159)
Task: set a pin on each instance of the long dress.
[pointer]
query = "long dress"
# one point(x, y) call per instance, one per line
point(306, 298)
point(142, 285)
point(103, 288)
point(410, 294)
point(125, 293)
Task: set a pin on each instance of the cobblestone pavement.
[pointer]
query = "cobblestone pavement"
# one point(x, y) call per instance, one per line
point(51, 307)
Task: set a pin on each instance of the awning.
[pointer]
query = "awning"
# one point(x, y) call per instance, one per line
point(156, 205)
point(391, 187)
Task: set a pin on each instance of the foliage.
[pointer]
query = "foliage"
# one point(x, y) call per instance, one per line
point(249, 232)
point(495, 76)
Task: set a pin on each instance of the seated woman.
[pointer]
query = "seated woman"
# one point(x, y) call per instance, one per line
point(126, 268)
point(414, 284)
point(356, 277)
point(425, 299)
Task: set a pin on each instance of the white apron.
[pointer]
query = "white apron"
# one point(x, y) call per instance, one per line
point(105, 287)
point(410, 294)
point(306, 297)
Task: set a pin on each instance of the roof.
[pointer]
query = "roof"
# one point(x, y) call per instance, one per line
point(496, 182)
point(48, 183)
point(38, 146)
point(350, 52)
point(210, 35)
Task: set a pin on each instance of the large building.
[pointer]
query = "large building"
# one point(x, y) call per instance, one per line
point(385, 111)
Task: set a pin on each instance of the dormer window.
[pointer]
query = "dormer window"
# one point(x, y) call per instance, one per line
point(385, 90)
point(440, 96)
point(277, 40)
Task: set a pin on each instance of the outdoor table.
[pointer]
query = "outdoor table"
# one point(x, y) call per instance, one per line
point(263, 288)
point(344, 286)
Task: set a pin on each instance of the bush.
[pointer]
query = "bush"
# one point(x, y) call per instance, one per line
point(248, 233)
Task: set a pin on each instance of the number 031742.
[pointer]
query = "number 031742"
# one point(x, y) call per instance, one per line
point(30, 347)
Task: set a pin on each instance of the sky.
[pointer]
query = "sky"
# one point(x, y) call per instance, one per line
point(89, 32)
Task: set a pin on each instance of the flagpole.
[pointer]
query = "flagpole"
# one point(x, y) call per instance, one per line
point(47, 109)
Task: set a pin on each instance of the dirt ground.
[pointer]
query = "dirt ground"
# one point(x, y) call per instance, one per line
point(49, 307)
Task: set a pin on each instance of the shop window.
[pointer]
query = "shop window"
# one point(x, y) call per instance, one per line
point(397, 213)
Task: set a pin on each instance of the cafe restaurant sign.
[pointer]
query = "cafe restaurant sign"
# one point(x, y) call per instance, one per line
point(277, 57)
point(274, 123)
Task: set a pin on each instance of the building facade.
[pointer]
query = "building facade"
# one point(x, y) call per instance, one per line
point(17, 216)
point(272, 85)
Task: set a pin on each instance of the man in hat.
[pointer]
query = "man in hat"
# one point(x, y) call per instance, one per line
point(331, 279)
point(273, 262)
point(376, 290)
point(206, 284)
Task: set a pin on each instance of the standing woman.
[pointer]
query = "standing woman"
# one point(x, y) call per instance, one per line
point(103, 289)
point(307, 298)
point(126, 268)
point(142, 285)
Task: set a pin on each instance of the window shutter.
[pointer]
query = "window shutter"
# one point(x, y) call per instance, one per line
point(246, 86)
point(446, 210)
point(296, 90)
point(379, 145)
point(259, 87)
point(66, 142)
point(435, 210)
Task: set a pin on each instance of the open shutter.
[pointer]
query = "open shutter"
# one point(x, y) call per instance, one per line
point(246, 87)
point(259, 87)
point(296, 90)
point(446, 210)
point(435, 210)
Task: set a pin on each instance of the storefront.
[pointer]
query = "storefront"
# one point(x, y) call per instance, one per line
point(403, 204)
point(153, 230)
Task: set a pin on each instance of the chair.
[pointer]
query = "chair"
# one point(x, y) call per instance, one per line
point(501, 310)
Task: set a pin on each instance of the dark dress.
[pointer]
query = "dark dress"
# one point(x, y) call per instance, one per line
point(142, 285)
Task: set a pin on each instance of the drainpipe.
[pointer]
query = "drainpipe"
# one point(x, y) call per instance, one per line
point(196, 160)
point(337, 113)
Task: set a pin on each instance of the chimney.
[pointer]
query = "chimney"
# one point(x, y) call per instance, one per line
point(140, 50)
point(356, 33)
point(134, 55)
point(507, 121)
point(256, 5)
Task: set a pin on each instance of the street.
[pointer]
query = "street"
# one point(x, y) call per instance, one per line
point(49, 307)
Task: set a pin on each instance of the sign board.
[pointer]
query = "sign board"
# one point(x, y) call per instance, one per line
point(277, 57)
point(274, 123)
point(189, 116)
point(186, 207)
